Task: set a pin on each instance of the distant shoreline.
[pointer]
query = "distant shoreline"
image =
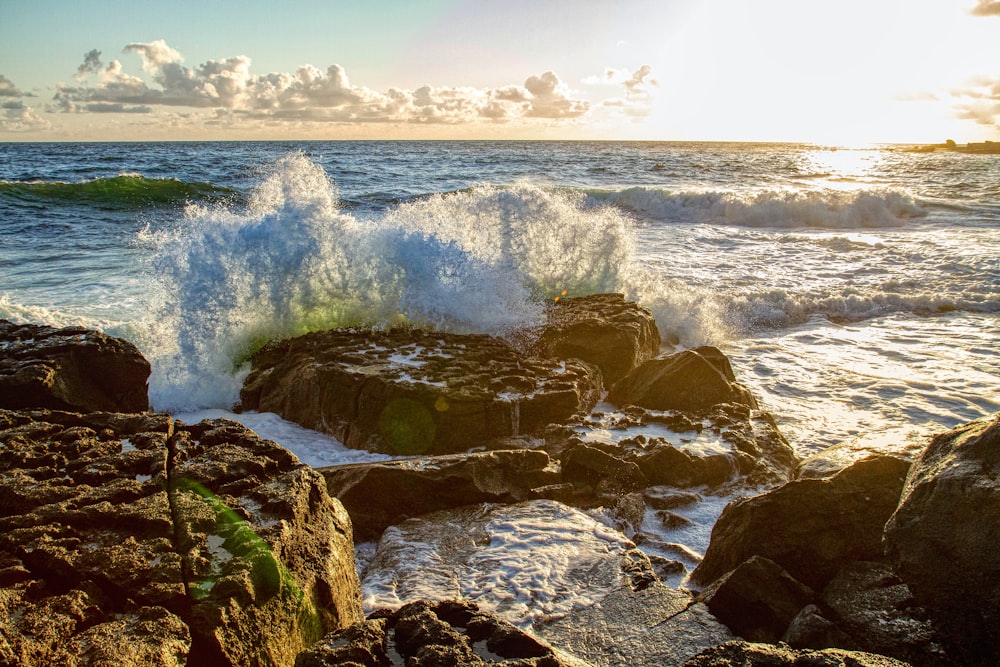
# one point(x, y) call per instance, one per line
point(982, 148)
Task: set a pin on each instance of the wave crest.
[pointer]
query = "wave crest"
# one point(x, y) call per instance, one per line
point(122, 192)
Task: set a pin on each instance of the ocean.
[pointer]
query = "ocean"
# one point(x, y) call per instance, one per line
point(856, 290)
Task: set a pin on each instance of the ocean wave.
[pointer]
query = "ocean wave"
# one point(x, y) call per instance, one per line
point(781, 209)
point(122, 192)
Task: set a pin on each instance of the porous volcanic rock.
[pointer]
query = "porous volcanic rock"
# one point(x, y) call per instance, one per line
point(810, 527)
point(378, 495)
point(415, 392)
point(690, 380)
point(602, 329)
point(447, 633)
point(72, 368)
point(746, 654)
point(943, 538)
point(140, 540)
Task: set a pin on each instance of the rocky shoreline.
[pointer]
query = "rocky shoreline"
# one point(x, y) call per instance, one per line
point(129, 536)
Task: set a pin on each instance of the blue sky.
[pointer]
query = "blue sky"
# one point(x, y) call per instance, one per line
point(849, 72)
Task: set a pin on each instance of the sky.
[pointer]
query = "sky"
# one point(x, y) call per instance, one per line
point(850, 72)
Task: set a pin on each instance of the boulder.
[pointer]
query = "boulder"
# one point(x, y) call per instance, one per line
point(691, 381)
point(757, 600)
point(604, 330)
point(666, 464)
point(942, 540)
point(378, 495)
point(595, 470)
point(448, 633)
point(140, 540)
point(414, 392)
point(810, 527)
point(745, 654)
point(73, 368)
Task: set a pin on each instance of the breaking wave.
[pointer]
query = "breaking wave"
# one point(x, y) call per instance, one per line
point(122, 192)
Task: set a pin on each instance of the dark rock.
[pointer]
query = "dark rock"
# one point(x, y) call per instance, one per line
point(943, 538)
point(876, 609)
point(378, 495)
point(757, 600)
point(363, 643)
point(137, 538)
point(691, 380)
point(414, 392)
point(810, 629)
point(588, 466)
point(667, 465)
point(744, 654)
point(810, 527)
point(604, 330)
point(72, 368)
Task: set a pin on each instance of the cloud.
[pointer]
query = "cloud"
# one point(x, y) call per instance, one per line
point(980, 102)
point(7, 88)
point(91, 64)
point(309, 94)
point(637, 88)
point(986, 8)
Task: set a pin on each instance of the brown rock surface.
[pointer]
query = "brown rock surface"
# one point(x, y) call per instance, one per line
point(943, 540)
point(602, 329)
point(745, 654)
point(810, 527)
point(415, 392)
point(70, 369)
point(128, 536)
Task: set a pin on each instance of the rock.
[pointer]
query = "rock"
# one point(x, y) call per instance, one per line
point(604, 330)
point(138, 539)
point(810, 527)
point(903, 442)
point(744, 654)
point(591, 468)
point(876, 609)
point(72, 368)
point(691, 380)
point(550, 569)
point(665, 464)
point(378, 495)
point(942, 540)
point(447, 633)
point(413, 392)
point(810, 629)
point(757, 600)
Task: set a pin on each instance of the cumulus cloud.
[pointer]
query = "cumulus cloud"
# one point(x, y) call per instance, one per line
point(7, 88)
point(15, 115)
point(637, 89)
point(307, 94)
point(986, 8)
point(980, 102)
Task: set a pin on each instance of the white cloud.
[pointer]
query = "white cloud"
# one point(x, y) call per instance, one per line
point(7, 88)
point(15, 115)
point(637, 90)
point(309, 94)
point(980, 102)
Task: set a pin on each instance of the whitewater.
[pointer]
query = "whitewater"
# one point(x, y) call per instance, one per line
point(856, 290)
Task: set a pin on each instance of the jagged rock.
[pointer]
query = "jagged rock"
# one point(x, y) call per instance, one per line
point(745, 654)
point(665, 464)
point(876, 609)
point(810, 527)
point(602, 329)
point(691, 380)
point(195, 543)
point(942, 540)
point(810, 629)
point(549, 568)
point(757, 600)
point(378, 495)
point(448, 633)
point(414, 392)
point(72, 368)
point(598, 471)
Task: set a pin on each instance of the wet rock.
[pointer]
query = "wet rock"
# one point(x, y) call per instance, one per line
point(691, 380)
point(810, 629)
point(810, 527)
point(877, 611)
point(665, 464)
point(414, 392)
point(604, 330)
point(589, 467)
point(942, 540)
point(378, 495)
point(72, 368)
point(134, 535)
point(744, 654)
point(757, 600)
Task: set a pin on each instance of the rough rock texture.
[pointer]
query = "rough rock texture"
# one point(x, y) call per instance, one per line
point(445, 634)
point(414, 392)
point(140, 540)
point(810, 527)
point(758, 599)
point(70, 369)
point(378, 495)
point(691, 380)
point(602, 329)
point(943, 540)
point(743, 654)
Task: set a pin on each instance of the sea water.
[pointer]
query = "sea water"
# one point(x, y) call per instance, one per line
point(856, 290)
